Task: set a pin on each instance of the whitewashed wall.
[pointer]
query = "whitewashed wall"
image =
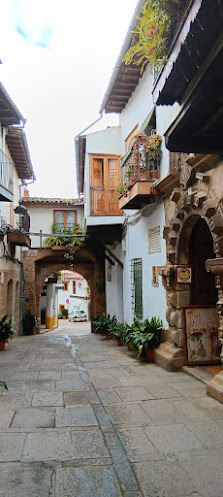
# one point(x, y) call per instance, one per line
point(114, 286)
point(136, 243)
point(41, 218)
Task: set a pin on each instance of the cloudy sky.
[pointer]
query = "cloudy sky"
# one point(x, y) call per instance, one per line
point(57, 60)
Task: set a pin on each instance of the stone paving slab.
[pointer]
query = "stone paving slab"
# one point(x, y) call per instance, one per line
point(47, 399)
point(87, 482)
point(6, 417)
point(172, 439)
point(127, 414)
point(85, 418)
point(11, 445)
point(34, 418)
point(88, 444)
point(47, 446)
point(30, 480)
point(164, 479)
point(133, 394)
point(75, 416)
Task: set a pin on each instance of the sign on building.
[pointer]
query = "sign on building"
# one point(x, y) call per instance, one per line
point(154, 240)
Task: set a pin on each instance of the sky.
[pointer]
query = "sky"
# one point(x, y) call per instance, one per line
point(57, 60)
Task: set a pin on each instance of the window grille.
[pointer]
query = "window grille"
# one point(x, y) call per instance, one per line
point(136, 287)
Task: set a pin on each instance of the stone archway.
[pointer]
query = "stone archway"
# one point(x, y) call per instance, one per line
point(42, 263)
point(189, 210)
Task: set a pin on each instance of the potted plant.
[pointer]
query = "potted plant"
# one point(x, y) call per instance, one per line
point(64, 313)
point(6, 331)
point(29, 323)
point(151, 337)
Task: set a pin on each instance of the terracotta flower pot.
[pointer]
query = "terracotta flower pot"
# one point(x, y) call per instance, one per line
point(150, 355)
point(119, 342)
point(2, 345)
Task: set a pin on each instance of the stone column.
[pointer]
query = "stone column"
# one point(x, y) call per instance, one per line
point(170, 355)
point(49, 307)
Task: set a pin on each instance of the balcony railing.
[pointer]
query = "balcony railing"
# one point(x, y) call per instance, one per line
point(6, 172)
point(145, 170)
point(104, 202)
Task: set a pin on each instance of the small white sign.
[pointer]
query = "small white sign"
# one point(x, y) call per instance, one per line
point(154, 240)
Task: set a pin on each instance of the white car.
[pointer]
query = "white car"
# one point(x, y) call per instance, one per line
point(78, 316)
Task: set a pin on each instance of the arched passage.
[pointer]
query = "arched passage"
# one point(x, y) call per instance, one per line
point(42, 263)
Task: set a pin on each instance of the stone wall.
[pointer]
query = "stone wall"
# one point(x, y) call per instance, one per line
point(40, 264)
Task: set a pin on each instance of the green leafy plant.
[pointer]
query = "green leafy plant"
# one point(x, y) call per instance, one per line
point(154, 29)
point(64, 312)
point(101, 323)
point(64, 240)
point(29, 323)
point(6, 330)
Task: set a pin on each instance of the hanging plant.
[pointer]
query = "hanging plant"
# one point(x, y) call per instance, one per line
point(151, 36)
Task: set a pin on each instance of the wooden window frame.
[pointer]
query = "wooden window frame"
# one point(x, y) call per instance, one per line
point(65, 216)
point(65, 283)
point(129, 139)
point(106, 188)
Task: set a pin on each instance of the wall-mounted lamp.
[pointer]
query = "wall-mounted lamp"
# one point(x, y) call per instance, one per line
point(21, 211)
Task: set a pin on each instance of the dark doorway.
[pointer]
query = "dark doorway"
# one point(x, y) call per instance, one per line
point(203, 291)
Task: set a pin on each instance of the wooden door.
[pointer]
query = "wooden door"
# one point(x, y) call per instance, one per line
point(104, 180)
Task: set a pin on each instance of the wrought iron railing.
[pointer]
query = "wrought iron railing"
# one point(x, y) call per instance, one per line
point(104, 202)
point(145, 169)
point(6, 172)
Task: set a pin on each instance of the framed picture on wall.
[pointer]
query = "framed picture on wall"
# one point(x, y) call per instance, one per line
point(183, 274)
point(201, 335)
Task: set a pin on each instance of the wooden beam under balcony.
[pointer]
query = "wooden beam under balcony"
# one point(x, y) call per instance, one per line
point(19, 239)
point(138, 196)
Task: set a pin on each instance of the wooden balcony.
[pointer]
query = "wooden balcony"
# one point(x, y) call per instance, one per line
point(138, 195)
point(104, 202)
point(139, 191)
point(20, 239)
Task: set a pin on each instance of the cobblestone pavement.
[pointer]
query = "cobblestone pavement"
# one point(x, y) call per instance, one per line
point(84, 418)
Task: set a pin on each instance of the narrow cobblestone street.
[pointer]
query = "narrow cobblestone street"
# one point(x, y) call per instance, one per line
point(83, 418)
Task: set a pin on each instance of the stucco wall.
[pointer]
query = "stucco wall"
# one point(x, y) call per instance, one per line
point(136, 243)
point(41, 218)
